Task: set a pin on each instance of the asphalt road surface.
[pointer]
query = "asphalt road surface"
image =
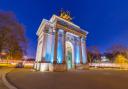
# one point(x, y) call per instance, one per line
point(88, 79)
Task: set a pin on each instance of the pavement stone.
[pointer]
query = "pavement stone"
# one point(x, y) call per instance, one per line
point(88, 79)
point(2, 86)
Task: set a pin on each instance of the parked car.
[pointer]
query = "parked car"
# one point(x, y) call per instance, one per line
point(20, 65)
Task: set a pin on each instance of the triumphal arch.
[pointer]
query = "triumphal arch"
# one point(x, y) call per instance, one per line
point(61, 45)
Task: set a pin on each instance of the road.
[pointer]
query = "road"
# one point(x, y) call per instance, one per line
point(89, 79)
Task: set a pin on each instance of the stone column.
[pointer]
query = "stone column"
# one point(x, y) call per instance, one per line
point(55, 46)
point(43, 47)
point(81, 61)
point(37, 55)
point(43, 50)
point(64, 47)
point(85, 49)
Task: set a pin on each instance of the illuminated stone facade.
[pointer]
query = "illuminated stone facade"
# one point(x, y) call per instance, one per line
point(61, 45)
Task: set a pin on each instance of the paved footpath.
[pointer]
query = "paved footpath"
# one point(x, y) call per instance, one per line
point(89, 79)
point(2, 70)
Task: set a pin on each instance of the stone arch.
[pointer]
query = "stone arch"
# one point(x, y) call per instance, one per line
point(69, 46)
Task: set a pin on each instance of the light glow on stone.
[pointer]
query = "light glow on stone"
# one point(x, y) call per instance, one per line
point(44, 67)
point(46, 44)
point(52, 49)
point(84, 53)
point(60, 47)
point(48, 48)
point(77, 54)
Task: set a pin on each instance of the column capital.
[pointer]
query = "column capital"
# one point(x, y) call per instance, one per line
point(83, 38)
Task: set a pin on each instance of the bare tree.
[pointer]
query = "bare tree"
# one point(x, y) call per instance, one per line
point(12, 35)
point(118, 49)
point(93, 53)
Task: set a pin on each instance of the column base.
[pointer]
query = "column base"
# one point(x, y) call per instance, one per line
point(44, 67)
point(54, 62)
point(81, 62)
point(81, 66)
point(64, 62)
point(51, 67)
point(35, 64)
point(58, 67)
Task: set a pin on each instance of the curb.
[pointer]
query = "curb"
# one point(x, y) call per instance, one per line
point(5, 81)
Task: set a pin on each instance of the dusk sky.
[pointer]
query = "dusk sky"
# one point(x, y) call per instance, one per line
point(105, 20)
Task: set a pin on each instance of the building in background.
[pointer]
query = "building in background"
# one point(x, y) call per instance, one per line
point(61, 45)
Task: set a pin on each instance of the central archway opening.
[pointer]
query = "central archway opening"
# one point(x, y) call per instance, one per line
point(69, 55)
